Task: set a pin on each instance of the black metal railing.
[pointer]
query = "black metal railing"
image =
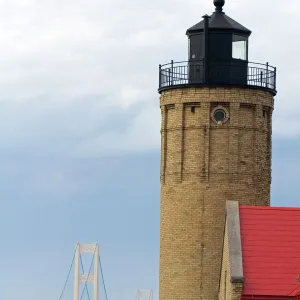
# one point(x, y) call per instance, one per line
point(217, 73)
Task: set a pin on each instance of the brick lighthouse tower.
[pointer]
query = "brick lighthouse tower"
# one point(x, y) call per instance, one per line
point(215, 146)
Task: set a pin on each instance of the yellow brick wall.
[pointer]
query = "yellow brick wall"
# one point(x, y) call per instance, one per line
point(203, 165)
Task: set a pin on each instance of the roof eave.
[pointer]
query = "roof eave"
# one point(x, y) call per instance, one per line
point(211, 29)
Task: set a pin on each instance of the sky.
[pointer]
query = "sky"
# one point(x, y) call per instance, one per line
point(80, 131)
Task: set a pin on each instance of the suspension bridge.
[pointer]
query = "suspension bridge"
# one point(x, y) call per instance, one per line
point(82, 279)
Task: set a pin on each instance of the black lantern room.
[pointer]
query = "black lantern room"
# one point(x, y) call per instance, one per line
point(218, 55)
point(222, 44)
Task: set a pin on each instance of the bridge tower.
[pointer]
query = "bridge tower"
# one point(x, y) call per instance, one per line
point(144, 295)
point(86, 278)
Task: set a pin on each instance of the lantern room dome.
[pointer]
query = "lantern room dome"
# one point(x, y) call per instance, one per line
point(220, 21)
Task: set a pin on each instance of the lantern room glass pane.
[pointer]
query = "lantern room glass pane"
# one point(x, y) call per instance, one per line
point(239, 47)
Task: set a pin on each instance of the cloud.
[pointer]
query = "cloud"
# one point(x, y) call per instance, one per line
point(67, 68)
point(141, 135)
point(81, 127)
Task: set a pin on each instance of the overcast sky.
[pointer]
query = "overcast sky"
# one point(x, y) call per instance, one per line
point(79, 131)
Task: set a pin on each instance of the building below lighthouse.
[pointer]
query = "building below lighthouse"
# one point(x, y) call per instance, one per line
point(261, 257)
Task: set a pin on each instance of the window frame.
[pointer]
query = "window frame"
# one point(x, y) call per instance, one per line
point(240, 38)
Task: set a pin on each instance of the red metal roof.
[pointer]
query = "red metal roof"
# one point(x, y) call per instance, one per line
point(258, 297)
point(271, 252)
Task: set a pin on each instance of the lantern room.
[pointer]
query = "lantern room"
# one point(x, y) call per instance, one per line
point(218, 55)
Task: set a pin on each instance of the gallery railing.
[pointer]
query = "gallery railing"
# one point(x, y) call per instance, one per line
point(217, 73)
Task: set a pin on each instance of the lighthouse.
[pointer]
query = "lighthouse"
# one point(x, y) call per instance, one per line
point(216, 129)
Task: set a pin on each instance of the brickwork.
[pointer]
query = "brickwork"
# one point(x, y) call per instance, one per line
point(203, 164)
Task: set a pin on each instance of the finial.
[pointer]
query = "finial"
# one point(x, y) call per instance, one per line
point(219, 4)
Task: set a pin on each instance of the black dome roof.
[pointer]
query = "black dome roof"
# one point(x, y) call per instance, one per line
point(219, 21)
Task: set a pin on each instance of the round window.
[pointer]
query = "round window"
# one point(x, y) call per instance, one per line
point(220, 115)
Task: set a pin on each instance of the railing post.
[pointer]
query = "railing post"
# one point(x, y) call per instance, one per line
point(159, 79)
point(267, 75)
point(172, 66)
point(261, 78)
point(274, 79)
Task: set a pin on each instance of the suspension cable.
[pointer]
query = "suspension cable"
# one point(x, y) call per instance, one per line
point(85, 285)
point(102, 277)
point(63, 290)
